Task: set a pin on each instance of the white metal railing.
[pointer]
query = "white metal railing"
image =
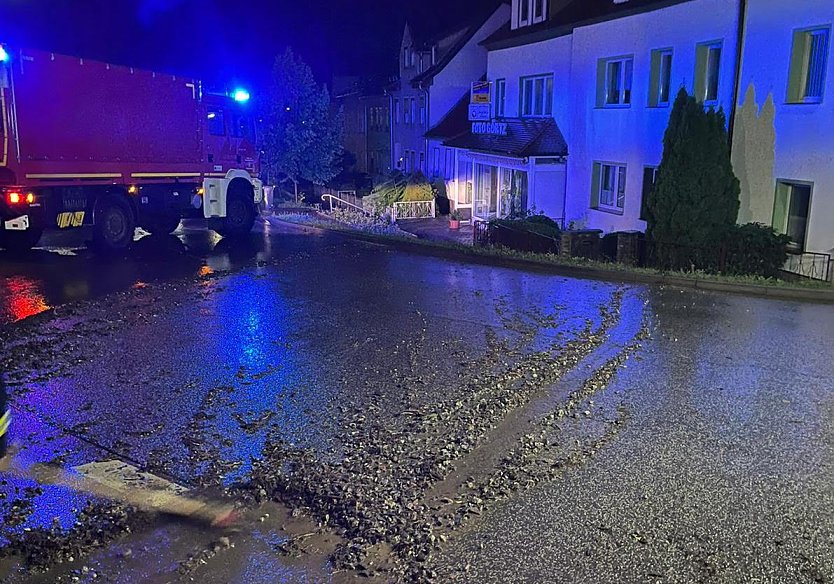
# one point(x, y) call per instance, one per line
point(339, 203)
point(413, 210)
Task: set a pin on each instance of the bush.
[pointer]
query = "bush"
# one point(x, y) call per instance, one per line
point(756, 250)
point(696, 199)
point(539, 224)
point(441, 198)
point(418, 188)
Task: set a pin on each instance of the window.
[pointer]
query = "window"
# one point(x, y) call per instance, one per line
point(397, 111)
point(791, 210)
point(649, 180)
point(531, 11)
point(707, 72)
point(500, 98)
point(537, 96)
point(608, 187)
point(660, 79)
point(809, 58)
point(614, 78)
point(216, 125)
point(450, 163)
point(422, 110)
point(413, 110)
point(539, 7)
point(436, 164)
point(423, 162)
point(407, 110)
point(523, 12)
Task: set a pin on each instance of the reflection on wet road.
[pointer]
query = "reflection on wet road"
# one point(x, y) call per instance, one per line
point(195, 357)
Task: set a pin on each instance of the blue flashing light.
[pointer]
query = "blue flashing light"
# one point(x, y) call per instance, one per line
point(240, 95)
point(4, 56)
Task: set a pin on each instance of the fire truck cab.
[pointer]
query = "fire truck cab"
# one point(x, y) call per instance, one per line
point(86, 143)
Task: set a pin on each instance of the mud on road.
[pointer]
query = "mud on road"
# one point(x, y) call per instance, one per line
point(367, 410)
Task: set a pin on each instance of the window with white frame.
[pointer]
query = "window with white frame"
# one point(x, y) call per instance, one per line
point(436, 162)
point(530, 11)
point(422, 110)
point(608, 187)
point(614, 81)
point(791, 211)
point(809, 59)
point(707, 72)
point(536, 96)
point(450, 163)
point(500, 98)
point(660, 78)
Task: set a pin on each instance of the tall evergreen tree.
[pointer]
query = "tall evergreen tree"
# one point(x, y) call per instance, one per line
point(695, 201)
point(301, 132)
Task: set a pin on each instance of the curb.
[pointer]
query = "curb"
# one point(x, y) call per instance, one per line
point(425, 247)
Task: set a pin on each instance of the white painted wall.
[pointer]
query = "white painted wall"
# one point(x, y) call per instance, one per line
point(546, 57)
point(634, 135)
point(803, 149)
point(468, 65)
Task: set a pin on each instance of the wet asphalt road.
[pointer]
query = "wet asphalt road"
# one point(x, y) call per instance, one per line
point(706, 456)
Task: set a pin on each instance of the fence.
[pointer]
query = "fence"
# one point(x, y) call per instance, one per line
point(413, 210)
point(339, 203)
point(486, 234)
point(815, 266)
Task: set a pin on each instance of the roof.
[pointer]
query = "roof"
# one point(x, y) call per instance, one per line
point(525, 137)
point(465, 35)
point(575, 14)
point(454, 123)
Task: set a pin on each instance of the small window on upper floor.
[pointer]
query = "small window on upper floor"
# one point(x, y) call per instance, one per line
point(216, 125)
point(707, 72)
point(614, 79)
point(530, 11)
point(660, 79)
point(536, 96)
point(500, 98)
point(809, 60)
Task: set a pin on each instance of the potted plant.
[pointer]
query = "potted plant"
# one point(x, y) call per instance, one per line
point(454, 219)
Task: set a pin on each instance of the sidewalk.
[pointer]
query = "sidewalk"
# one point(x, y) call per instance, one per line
point(437, 229)
point(445, 248)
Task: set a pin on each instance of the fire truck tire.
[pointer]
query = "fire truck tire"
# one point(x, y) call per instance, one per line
point(162, 225)
point(20, 240)
point(114, 224)
point(240, 215)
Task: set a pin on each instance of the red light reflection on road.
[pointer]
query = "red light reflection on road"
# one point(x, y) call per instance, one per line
point(21, 298)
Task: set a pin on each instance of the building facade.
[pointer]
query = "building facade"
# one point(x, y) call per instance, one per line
point(783, 151)
point(605, 73)
point(366, 130)
point(435, 71)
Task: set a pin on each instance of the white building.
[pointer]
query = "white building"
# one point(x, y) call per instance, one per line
point(607, 71)
point(783, 139)
point(435, 71)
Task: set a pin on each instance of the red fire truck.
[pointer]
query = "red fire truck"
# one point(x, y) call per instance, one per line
point(86, 143)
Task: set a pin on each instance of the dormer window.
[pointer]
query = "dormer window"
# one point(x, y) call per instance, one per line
point(530, 11)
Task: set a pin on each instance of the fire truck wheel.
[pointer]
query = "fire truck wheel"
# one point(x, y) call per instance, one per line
point(20, 240)
point(114, 224)
point(162, 225)
point(240, 216)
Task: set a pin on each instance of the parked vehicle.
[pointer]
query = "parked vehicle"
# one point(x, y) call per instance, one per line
point(86, 143)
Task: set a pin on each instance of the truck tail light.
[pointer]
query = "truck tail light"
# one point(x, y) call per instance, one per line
point(17, 198)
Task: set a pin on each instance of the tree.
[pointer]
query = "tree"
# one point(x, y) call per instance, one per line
point(695, 201)
point(301, 132)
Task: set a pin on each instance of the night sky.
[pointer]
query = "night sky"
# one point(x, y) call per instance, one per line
point(221, 40)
